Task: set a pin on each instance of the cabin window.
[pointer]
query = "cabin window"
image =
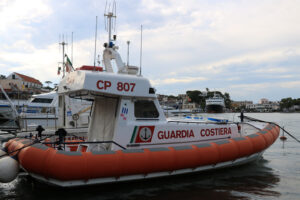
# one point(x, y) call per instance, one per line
point(41, 100)
point(145, 109)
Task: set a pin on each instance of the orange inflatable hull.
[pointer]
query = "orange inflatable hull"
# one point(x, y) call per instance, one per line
point(47, 162)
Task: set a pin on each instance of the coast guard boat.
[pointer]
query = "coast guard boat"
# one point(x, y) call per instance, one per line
point(129, 137)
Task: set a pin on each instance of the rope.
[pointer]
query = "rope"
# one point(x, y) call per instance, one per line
point(258, 120)
point(34, 142)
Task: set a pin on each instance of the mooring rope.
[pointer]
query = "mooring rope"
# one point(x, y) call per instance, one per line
point(259, 120)
point(34, 142)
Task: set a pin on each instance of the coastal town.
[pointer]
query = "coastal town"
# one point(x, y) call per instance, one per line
point(183, 101)
point(21, 87)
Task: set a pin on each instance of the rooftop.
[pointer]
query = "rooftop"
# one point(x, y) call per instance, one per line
point(29, 79)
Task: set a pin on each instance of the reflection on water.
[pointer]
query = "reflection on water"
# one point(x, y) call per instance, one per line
point(242, 182)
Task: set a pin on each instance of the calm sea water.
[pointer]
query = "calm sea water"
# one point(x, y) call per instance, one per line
point(275, 176)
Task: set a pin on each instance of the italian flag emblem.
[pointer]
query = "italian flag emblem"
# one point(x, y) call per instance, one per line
point(142, 134)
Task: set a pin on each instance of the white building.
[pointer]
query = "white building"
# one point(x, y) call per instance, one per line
point(27, 81)
point(264, 106)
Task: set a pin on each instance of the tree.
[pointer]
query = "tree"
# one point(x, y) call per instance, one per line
point(48, 83)
point(172, 97)
point(194, 96)
point(227, 100)
point(286, 103)
point(197, 97)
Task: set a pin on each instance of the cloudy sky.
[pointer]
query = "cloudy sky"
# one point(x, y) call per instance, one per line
point(250, 49)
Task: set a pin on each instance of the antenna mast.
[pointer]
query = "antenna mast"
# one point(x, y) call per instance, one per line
point(72, 49)
point(128, 42)
point(63, 44)
point(110, 15)
point(95, 43)
point(141, 50)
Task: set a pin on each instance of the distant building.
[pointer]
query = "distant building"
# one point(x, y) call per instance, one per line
point(182, 96)
point(238, 105)
point(190, 106)
point(263, 101)
point(168, 102)
point(19, 86)
point(264, 105)
point(27, 81)
point(241, 103)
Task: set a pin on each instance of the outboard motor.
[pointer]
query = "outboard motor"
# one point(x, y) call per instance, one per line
point(39, 129)
point(61, 132)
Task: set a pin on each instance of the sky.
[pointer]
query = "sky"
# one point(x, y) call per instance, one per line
point(249, 49)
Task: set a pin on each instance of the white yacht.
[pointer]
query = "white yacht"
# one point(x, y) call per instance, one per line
point(215, 104)
point(42, 109)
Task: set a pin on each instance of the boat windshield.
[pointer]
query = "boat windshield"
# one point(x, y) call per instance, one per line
point(41, 100)
point(145, 109)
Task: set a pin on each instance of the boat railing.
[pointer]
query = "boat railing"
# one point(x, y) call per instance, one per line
point(200, 122)
point(29, 121)
point(58, 144)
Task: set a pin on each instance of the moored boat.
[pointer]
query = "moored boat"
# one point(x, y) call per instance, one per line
point(76, 168)
point(129, 137)
point(215, 104)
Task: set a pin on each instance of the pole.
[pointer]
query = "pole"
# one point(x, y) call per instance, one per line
point(109, 28)
point(72, 50)
point(141, 50)
point(63, 43)
point(95, 44)
point(128, 42)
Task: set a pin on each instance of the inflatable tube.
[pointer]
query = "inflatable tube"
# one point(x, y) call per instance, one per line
point(65, 166)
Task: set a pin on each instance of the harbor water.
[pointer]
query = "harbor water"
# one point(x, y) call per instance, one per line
point(275, 176)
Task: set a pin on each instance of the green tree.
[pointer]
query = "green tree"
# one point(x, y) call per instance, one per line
point(227, 100)
point(172, 97)
point(197, 97)
point(286, 103)
point(194, 96)
point(48, 83)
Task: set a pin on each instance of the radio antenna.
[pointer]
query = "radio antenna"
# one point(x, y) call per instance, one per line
point(72, 49)
point(95, 43)
point(141, 50)
point(114, 10)
point(63, 44)
point(110, 15)
point(105, 23)
point(128, 42)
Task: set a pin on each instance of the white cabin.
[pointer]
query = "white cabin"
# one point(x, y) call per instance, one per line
point(126, 112)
